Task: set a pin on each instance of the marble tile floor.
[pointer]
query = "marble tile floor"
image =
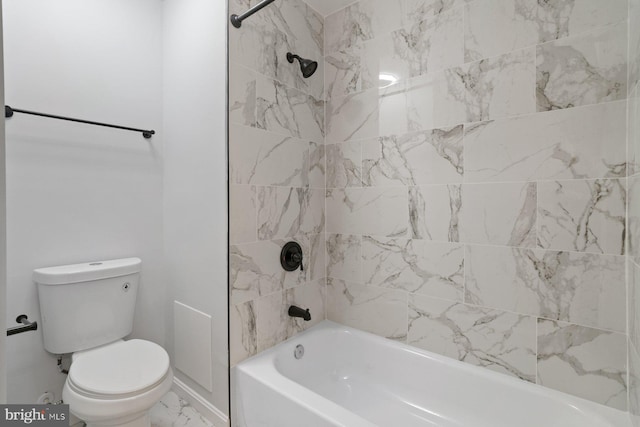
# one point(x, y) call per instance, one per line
point(172, 411)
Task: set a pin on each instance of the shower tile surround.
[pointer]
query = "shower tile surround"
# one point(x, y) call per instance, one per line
point(462, 174)
point(633, 212)
point(276, 172)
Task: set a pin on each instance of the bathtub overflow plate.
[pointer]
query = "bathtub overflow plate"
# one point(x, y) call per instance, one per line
point(298, 352)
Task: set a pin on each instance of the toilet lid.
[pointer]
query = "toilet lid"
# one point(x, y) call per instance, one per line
point(121, 368)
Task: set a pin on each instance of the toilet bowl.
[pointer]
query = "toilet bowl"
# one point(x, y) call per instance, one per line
point(87, 310)
point(117, 384)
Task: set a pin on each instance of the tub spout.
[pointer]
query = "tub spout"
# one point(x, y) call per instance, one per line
point(299, 312)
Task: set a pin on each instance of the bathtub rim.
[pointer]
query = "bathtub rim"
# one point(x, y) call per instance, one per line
point(265, 362)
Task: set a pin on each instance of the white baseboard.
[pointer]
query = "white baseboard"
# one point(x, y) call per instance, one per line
point(206, 409)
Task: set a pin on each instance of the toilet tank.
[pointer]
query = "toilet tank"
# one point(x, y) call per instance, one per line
point(84, 306)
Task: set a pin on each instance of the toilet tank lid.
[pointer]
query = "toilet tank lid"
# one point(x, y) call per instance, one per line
point(75, 273)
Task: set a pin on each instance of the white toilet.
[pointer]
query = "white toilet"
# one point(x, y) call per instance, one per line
point(87, 310)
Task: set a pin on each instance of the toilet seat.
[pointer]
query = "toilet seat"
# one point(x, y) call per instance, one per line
point(120, 370)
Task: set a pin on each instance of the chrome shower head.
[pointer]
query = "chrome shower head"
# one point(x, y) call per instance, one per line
point(307, 66)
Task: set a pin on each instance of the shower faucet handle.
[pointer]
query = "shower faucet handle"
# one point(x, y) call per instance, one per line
point(297, 258)
point(291, 257)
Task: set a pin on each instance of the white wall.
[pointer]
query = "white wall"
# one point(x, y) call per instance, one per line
point(3, 238)
point(195, 191)
point(75, 192)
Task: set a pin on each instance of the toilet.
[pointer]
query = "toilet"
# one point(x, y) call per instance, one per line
point(87, 310)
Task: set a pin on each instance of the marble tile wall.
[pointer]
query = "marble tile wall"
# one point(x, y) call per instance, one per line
point(458, 175)
point(633, 212)
point(477, 183)
point(276, 173)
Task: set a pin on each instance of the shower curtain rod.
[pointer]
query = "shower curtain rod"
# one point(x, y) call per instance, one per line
point(8, 112)
point(237, 20)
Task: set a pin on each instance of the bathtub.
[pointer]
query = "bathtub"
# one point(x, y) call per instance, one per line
point(351, 378)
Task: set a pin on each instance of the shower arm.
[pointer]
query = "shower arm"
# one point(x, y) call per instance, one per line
point(236, 20)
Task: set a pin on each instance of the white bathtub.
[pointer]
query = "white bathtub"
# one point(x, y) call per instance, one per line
point(354, 379)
